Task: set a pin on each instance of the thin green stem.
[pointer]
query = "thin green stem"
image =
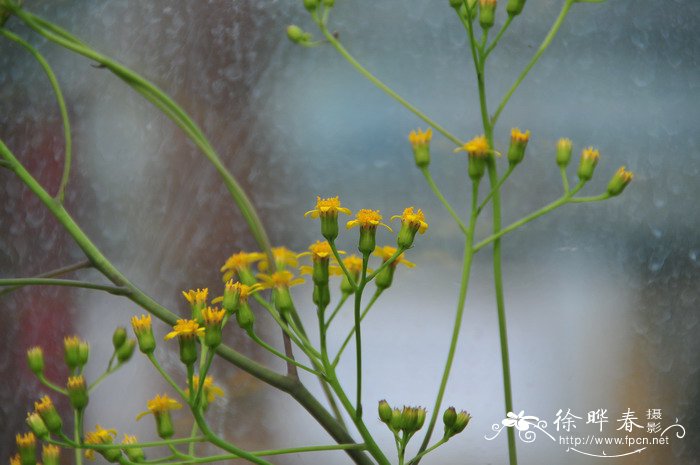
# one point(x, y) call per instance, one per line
point(385, 263)
point(566, 198)
point(193, 434)
point(348, 338)
point(166, 376)
point(78, 434)
point(279, 354)
point(595, 198)
point(280, 322)
point(545, 43)
point(347, 274)
point(63, 282)
point(271, 452)
point(428, 450)
point(61, 105)
point(496, 187)
point(442, 199)
point(564, 179)
point(386, 89)
point(358, 333)
point(343, 299)
point(203, 370)
point(498, 37)
point(459, 314)
point(50, 385)
point(103, 376)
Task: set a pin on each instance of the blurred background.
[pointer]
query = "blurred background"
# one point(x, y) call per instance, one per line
point(602, 299)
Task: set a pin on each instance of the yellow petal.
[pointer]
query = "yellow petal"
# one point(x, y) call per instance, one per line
point(352, 224)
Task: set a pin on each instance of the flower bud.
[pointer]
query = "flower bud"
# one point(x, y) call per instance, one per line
point(563, 152)
point(102, 436)
point(37, 425)
point(411, 223)
point(368, 221)
point(420, 140)
point(119, 337)
point(619, 181)
point(50, 454)
point(198, 302)
point(515, 7)
point(589, 160)
point(385, 412)
point(461, 422)
point(77, 391)
point(321, 296)
point(310, 5)
point(283, 300)
point(449, 418)
point(231, 296)
point(70, 351)
point(245, 317)
point(456, 3)
point(329, 3)
point(518, 144)
point(135, 454)
point(126, 351)
point(297, 34)
point(478, 150)
point(35, 359)
point(83, 353)
point(396, 418)
point(487, 13)
point(346, 286)
point(144, 333)
point(26, 443)
point(385, 278)
point(186, 332)
point(213, 318)
point(49, 414)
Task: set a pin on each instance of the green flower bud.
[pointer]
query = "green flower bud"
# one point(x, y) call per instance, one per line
point(327, 210)
point(563, 152)
point(126, 351)
point(35, 359)
point(478, 150)
point(589, 160)
point(144, 333)
point(50, 454)
point(26, 443)
point(449, 418)
point(283, 300)
point(83, 353)
point(385, 412)
point(213, 319)
point(70, 351)
point(297, 34)
point(420, 141)
point(619, 181)
point(245, 317)
point(37, 425)
point(321, 296)
point(310, 5)
point(119, 337)
point(518, 144)
point(385, 278)
point(487, 13)
point(49, 414)
point(135, 454)
point(198, 302)
point(77, 392)
point(461, 422)
point(345, 286)
point(515, 7)
point(396, 418)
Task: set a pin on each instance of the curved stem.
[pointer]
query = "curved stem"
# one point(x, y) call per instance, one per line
point(385, 263)
point(61, 105)
point(347, 274)
point(545, 43)
point(271, 452)
point(63, 282)
point(52, 274)
point(564, 179)
point(167, 377)
point(279, 354)
point(442, 199)
point(386, 89)
point(348, 338)
point(50, 385)
point(496, 187)
point(502, 31)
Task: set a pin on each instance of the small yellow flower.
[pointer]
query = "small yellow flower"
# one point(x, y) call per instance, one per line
point(15, 460)
point(283, 258)
point(590, 154)
point(51, 452)
point(420, 138)
point(141, 324)
point(413, 220)
point(327, 208)
point(26, 440)
point(210, 390)
point(279, 279)
point(185, 329)
point(158, 405)
point(477, 147)
point(320, 250)
point(516, 135)
point(44, 405)
point(564, 144)
point(244, 291)
point(238, 262)
point(71, 342)
point(386, 252)
point(97, 437)
point(76, 382)
point(129, 439)
point(196, 297)
point(353, 263)
point(367, 219)
point(213, 316)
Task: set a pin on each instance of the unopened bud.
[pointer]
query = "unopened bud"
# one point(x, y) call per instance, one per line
point(26, 443)
point(297, 34)
point(385, 412)
point(50, 454)
point(310, 5)
point(563, 152)
point(245, 317)
point(487, 13)
point(37, 425)
point(619, 181)
point(126, 351)
point(518, 144)
point(35, 359)
point(49, 414)
point(420, 141)
point(589, 160)
point(77, 391)
point(119, 337)
point(515, 7)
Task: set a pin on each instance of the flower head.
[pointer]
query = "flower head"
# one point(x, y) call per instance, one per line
point(590, 153)
point(419, 137)
point(283, 258)
point(25, 440)
point(327, 208)
point(367, 219)
point(414, 220)
point(516, 135)
point(320, 250)
point(35, 358)
point(589, 160)
point(213, 316)
point(243, 290)
point(141, 324)
point(386, 252)
point(50, 454)
point(210, 390)
point(185, 329)
point(619, 181)
point(353, 264)
point(279, 279)
point(240, 263)
point(564, 152)
point(159, 405)
point(477, 147)
point(97, 437)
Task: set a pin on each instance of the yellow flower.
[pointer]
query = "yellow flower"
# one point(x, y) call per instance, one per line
point(141, 324)
point(367, 219)
point(76, 382)
point(420, 137)
point(320, 250)
point(353, 263)
point(51, 452)
point(413, 220)
point(243, 290)
point(44, 405)
point(27, 440)
point(15, 460)
point(477, 147)
point(71, 342)
point(198, 297)
point(210, 390)
point(238, 262)
point(279, 279)
point(185, 329)
point(283, 258)
point(158, 405)
point(516, 135)
point(564, 144)
point(97, 437)
point(213, 316)
point(386, 252)
point(327, 208)
point(590, 154)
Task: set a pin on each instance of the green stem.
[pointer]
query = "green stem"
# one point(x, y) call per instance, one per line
point(456, 327)
point(358, 333)
point(135, 445)
point(285, 328)
point(564, 179)
point(193, 434)
point(343, 299)
point(63, 282)
point(272, 452)
point(347, 274)
point(348, 338)
point(502, 31)
point(566, 198)
point(497, 187)
point(103, 376)
point(203, 370)
point(53, 273)
point(385, 263)
point(50, 385)
point(166, 376)
point(428, 450)
point(442, 199)
point(386, 89)
point(545, 43)
point(279, 354)
point(78, 435)
point(61, 105)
